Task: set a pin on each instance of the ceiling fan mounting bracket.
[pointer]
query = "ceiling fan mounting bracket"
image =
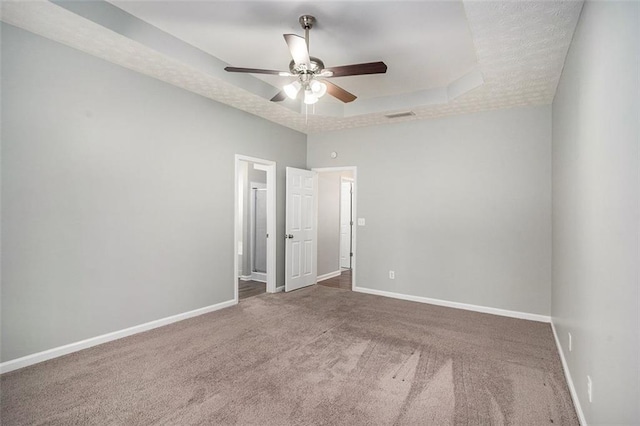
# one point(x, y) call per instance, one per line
point(307, 21)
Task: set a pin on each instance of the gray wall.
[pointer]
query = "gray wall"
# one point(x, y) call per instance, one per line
point(117, 195)
point(595, 210)
point(459, 208)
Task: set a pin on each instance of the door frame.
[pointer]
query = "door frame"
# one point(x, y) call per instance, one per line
point(270, 168)
point(352, 224)
point(252, 230)
point(354, 211)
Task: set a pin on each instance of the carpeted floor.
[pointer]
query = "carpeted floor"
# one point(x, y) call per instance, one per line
point(319, 356)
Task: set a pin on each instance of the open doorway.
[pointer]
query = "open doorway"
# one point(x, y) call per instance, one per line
point(336, 230)
point(254, 243)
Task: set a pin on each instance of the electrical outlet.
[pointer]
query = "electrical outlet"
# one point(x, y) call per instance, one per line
point(392, 275)
point(590, 388)
point(361, 221)
point(570, 343)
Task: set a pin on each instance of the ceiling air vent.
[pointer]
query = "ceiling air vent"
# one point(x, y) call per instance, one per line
point(400, 114)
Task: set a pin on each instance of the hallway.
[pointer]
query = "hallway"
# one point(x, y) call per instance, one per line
point(342, 281)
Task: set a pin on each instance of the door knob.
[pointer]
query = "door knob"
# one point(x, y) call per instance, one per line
point(288, 236)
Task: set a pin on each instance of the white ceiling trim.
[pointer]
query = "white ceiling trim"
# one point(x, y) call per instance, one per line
point(521, 48)
point(437, 96)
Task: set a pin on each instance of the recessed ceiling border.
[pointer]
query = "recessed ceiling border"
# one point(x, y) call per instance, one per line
point(524, 70)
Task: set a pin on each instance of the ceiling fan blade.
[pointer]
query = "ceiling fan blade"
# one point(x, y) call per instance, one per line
point(257, 71)
point(298, 48)
point(358, 69)
point(339, 93)
point(279, 97)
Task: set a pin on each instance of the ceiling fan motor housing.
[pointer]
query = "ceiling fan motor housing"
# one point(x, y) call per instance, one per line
point(316, 66)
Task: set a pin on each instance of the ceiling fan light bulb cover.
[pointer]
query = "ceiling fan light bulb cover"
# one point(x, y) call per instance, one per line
point(318, 88)
point(292, 89)
point(310, 98)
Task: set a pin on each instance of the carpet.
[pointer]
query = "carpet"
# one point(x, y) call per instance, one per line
point(318, 356)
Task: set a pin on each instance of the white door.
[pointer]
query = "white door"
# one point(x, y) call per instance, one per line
point(345, 224)
point(301, 231)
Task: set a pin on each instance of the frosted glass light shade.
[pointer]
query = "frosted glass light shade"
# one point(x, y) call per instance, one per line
point(309, 97)
point(292, 89)
point(318, 88)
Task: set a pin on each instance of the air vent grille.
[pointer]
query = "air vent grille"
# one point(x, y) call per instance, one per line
point(400, 114)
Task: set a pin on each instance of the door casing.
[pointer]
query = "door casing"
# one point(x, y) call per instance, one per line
point(346, 200)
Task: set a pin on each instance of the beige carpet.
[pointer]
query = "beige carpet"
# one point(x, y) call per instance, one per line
point(317, 356)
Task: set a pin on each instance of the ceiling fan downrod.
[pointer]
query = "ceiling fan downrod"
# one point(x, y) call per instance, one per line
point(306, 22)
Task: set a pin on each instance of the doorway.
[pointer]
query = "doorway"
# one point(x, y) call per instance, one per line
point(254, 236)
point(336, 227)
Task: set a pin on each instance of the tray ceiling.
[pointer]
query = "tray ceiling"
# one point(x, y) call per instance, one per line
point(444, 58)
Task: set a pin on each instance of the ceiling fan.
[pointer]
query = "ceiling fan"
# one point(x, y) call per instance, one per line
point(310, 72)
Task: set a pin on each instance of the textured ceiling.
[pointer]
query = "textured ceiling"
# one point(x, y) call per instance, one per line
point(430, 36)
point(520, 49)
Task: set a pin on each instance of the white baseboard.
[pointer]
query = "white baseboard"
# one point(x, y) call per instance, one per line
point(329, 275)
point(567, 375)
point(245, 277)
point(279, 289)
point(259, 276)
point(457, 305)
point(28, 360)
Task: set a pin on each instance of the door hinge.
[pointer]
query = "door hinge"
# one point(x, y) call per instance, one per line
point(350, 254)
point(267, 235)
point(351, 223)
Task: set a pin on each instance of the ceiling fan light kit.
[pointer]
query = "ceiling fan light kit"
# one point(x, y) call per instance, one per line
point(318, 88)
point(309, 71)
point(292, 89)
point(309, 97)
